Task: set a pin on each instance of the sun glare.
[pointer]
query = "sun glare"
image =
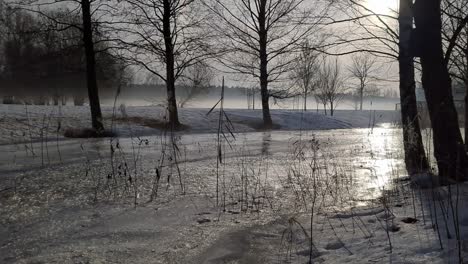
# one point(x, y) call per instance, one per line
point(383, 7)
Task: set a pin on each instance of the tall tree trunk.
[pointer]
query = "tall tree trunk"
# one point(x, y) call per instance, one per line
point(415, 157)
point(170, 76)
point(448, 142)
point(331, 108)
point(466, 113)
point(253, 98)
point(305, 101)
point(361, 96)
point(263, 34)
point(466, 95)
point(93, 93)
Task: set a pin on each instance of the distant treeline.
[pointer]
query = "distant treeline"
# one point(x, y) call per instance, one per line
point(39, 60)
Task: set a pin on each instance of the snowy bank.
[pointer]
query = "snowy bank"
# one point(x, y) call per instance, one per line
point(20, 123)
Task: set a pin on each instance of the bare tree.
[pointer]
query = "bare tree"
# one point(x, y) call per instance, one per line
point(165, 37)
point(362, 69)
point(388, 36)
point(320, 98)
point(87, 28)
point(331, 85)
point(455, 34)
point(259, 37)
point(89, 10)
point(449, 151)
point(196, 81)
point(305, 71)
point(415, 157)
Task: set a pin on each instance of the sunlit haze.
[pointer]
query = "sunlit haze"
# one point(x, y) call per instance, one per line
point(384, 7)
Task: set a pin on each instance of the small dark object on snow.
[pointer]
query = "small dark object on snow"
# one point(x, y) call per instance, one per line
point(394, 228)
point(202, 221)
point(409, 220)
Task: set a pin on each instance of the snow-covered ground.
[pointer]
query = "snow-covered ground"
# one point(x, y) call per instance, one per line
point(249, 201)
point(19, 123)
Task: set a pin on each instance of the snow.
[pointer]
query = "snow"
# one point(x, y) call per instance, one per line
point(21, 123)
point(61, 205)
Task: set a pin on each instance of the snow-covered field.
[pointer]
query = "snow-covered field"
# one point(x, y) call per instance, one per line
point(149, 198)
point(19, 123)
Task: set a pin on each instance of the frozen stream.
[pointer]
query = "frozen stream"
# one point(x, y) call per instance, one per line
point(372, 155)
point(53, 210)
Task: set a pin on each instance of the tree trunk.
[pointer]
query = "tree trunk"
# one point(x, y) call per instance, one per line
point(325, 108)
point(253, 98)
point(331, 108)
point(466, 96)
point(78, 100)
point(305, 101)
point(361, 96)
point(93, 93)
point(263, 34)
point(170, 76)
point(448, 143)
point(466, 115)
point(56, 99)
point(415, 157)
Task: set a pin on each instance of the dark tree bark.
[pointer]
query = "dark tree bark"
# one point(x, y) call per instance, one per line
point(415, 157)
point(466, 97)
point(170, 75)
point(448, 144)
point(305, 101)
point(466, 116)
point(361, 95)
point(93, 94)
point(267, 122)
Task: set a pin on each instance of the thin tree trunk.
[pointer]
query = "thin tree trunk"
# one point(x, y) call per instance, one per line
point(361, 96)
point(93, 93)
point(448, 143)
point(253, 98)
point(415, 157)
point(263, 34)
point(170, 76)
point(331, 108)
point(305, 101)
point(56, 99)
